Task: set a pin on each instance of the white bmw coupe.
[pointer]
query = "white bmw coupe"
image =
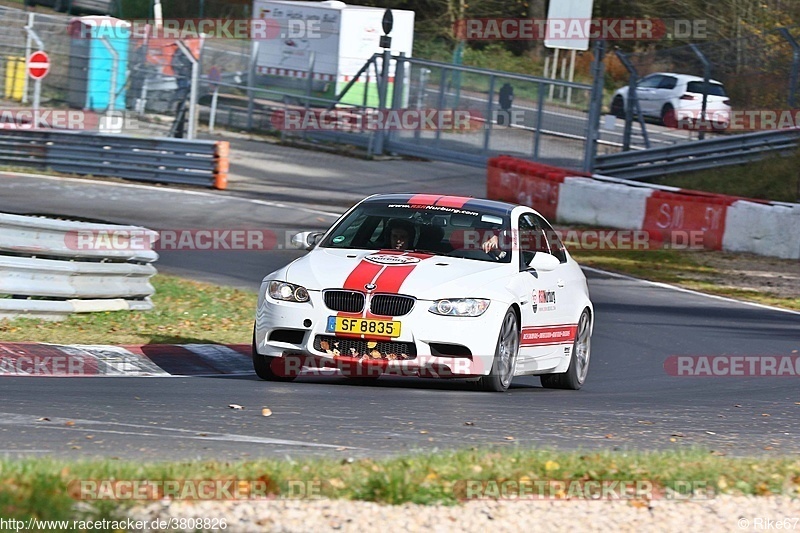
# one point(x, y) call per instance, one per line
point(430, 286)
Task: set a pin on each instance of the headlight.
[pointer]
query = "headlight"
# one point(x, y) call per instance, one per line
point(280, 290)
point(460, 307)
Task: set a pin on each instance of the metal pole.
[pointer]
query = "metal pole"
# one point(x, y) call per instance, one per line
point(595, 107)
point(309, 84)
point(251, 74)
point(213, 117)
point(632, 104)
point(487, 132)
point(571, 75)
point(27, 55)
point(112, 91)
point(399, 86)
point(190, 134)
point(554, 72)
point(382, 89)
point(539, 118)
point(706, 86)
point(440, 105)
point(795, 64)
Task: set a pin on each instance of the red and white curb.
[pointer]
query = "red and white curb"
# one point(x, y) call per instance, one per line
point(148, 360)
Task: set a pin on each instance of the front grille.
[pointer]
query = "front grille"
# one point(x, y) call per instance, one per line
point(346, 301)
point(364, 349)
point(391, 304)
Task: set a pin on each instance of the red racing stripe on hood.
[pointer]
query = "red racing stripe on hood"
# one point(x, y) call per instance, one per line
point(424, 199)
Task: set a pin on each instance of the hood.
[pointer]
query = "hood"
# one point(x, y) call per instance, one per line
point(424, 276)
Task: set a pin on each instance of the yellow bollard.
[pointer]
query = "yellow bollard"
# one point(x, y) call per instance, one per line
point(15, 77)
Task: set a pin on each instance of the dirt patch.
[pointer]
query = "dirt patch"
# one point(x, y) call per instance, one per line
point(778, 277)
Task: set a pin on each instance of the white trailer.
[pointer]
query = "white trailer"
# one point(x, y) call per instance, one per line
point(331, 39)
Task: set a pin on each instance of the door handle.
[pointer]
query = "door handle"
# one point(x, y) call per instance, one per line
point(560, 283)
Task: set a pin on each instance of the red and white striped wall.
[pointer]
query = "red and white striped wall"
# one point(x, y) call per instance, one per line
point(723, 222)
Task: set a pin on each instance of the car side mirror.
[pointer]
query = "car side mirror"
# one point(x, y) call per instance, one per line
point(306, 240)
point(544, 262)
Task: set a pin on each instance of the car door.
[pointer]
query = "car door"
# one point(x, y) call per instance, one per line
point(540, 310)
point(646, 93)
point(664, 93)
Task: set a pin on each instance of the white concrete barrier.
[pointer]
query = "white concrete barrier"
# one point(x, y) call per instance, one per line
point(763, 229)
point(589, 201)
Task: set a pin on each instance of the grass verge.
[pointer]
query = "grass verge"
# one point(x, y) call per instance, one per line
point(185, 312)
point(774, 178)
point(49, 489)
point(704, 271)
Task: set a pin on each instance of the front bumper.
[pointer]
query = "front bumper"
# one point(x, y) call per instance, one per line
point(429, 345)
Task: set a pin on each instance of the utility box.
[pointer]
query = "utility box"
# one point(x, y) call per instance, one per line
point(332, 40)
point(98, 63)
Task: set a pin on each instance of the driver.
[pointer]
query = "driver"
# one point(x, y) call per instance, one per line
point(401, 234)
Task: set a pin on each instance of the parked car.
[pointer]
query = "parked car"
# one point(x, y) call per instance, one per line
point(673, 97)
point(430, 286)
point(97, 7)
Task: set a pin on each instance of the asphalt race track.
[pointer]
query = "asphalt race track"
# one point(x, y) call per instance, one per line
point(630, 400)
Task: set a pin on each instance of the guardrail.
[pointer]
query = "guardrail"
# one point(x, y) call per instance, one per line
point(698, 155)
point(162, 160)
point(51, 268)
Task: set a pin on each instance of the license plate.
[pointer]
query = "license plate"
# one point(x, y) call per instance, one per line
point(363, 326)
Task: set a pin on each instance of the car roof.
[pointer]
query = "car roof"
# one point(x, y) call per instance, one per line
point(494, 207)
point(684, 77)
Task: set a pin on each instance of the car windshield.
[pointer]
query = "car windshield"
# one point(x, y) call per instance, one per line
point(440, 230)
point(714, 89)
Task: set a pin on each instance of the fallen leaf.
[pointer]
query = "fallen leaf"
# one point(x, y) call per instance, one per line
point(610, 436)
point(266, 412)
point(69, 423)
point(423, 432)
point(469, 423)
point(710, 432)
point(551, 465)
point(673, 439)
point(341, 449)
point(677, 434)
point(235, 406)
point(646, 422)
point(371, 344)
point(737, 405)
point(509, 438)
point(43, 419)
point(765, 414)
point(89, 437)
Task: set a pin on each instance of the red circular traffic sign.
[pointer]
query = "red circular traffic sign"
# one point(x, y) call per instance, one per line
point(38, 65)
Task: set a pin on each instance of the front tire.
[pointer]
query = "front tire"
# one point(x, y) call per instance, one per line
point(505, 356)
point(263, 365)
point(575, 376)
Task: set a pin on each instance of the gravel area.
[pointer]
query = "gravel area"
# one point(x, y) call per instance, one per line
point(780, 277)
point(723, 513)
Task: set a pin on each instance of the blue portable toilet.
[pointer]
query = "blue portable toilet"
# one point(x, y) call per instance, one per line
point(93, 74)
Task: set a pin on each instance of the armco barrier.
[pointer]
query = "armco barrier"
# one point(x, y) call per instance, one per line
point(162, 160)
point(722, 222)
point(45, 272)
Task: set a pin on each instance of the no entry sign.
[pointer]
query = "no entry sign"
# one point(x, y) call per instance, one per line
point(38, 65)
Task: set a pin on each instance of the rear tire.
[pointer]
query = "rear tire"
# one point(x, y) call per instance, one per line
point(668, 117)
point(263, 365)
point(575, 376)
point(505, 356)
point(618, 107)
